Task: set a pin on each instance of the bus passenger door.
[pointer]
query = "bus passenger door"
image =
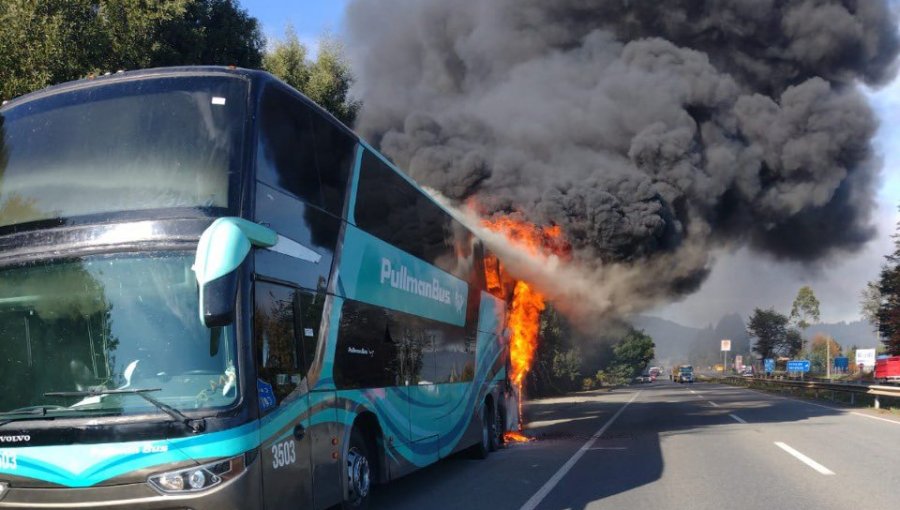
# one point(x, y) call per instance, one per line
point(282, 368)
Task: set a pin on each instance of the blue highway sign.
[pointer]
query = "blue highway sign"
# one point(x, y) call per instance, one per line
point(799, 365)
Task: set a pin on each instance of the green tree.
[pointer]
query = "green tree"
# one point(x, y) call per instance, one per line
point(326, 80)
point(888, 317)
point(566, 366)
point(553, 336)
point(288, 60)
point(870, 302)
point(793, 342)
point(633, 354)
point(823, 348)
point(52, 41)
point(805, 308)
point(207, 32)
point(43, 43)
point(773, 337)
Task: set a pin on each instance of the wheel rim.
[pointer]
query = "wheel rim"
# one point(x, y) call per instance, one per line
point(358, 474)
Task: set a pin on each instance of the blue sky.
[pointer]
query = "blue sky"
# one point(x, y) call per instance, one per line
point(740, 280)
point(310, 18)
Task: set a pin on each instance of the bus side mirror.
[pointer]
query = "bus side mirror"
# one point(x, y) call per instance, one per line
point(222, 248)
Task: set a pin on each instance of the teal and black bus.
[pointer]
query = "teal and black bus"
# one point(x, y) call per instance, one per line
point(215, 295)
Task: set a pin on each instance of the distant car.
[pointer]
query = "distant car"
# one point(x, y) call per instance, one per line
point(747, 373)
point(684, 374)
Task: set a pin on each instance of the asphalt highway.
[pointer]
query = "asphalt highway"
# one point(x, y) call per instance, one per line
point(664, 445)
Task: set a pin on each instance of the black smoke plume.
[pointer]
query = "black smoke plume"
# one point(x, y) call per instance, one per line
point(652, 132)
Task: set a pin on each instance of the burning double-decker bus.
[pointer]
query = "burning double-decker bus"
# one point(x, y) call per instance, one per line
point(214, 295)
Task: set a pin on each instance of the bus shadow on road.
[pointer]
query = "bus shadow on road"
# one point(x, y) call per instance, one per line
point(627, 456)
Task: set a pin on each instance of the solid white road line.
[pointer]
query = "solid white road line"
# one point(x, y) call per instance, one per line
point(838, 409)
point(895, 422)
point(804, 459)
point(737, 418)
point(542, 493)
point(713, 404)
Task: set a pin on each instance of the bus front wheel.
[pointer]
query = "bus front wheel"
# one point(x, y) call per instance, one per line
point(359, 472)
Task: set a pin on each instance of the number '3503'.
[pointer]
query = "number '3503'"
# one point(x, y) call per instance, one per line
point(283, 453)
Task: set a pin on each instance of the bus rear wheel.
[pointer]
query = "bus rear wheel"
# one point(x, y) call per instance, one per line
point(358, 467)
point(488, 441)
point(499, 427)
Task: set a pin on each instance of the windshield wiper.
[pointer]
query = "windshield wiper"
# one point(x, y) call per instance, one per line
point(195, 425)
point(27, 413)
point(35, 413)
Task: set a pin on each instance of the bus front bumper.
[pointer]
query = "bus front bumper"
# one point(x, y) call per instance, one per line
point(242, 492)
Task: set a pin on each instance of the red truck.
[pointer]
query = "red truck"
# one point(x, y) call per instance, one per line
point(887, 369)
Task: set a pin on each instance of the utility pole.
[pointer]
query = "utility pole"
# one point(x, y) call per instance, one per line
point(828, 358)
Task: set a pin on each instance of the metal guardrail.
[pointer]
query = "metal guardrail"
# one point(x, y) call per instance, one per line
point(873, 390)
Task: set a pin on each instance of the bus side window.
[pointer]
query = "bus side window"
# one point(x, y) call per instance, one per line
point(366, 352)
point(302, 152)
point(277, 355)
point(310, 317)
point(286, 157)
point(335, 152)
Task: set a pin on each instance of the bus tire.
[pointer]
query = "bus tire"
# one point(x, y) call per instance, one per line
point(482, 448)
point(359, 472)
point(499, 427)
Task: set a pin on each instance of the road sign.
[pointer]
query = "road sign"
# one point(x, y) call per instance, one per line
point(769, 365)
point(798, 365)
point(866, 357)
point(726, 345)
point(738, 362)
point(841, 363)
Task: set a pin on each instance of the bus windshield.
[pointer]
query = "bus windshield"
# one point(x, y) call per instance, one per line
point(138, 144)
point(106, 323)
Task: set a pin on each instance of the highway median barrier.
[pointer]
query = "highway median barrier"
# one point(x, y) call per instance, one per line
point(854, 394)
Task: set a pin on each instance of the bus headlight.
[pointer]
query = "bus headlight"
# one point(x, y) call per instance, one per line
point(197, 478)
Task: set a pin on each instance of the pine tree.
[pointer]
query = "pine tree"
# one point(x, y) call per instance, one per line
point(326, 80)
point(889, 309)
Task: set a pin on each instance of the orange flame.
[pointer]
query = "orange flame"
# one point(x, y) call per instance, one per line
point(492, 275)
point(524, 322)
point(515, 437)
point(527, 303)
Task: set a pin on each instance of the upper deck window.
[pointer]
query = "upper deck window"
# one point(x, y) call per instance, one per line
point(140, 144)
point(301, 152)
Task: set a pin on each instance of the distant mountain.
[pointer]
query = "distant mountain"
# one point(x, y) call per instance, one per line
point(672, 339)
point(677, 343)
point(848, 334)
